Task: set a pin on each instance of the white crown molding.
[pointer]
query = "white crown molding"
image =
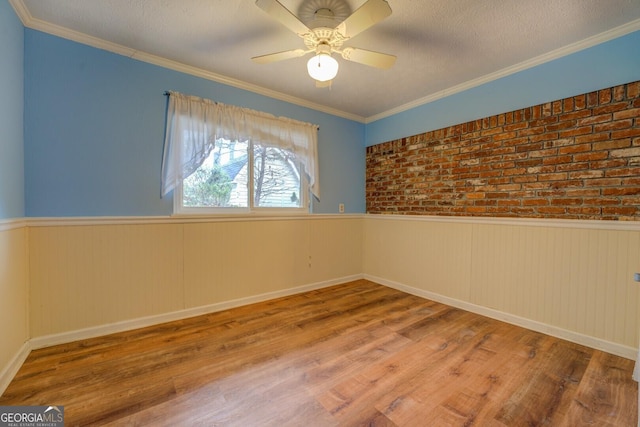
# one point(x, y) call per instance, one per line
point(21, 10)
point(530, 63)
point(208, 75)
point(29, 21)
point(37, 24)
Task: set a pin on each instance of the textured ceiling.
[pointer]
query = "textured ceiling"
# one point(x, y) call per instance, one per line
point(441, 45)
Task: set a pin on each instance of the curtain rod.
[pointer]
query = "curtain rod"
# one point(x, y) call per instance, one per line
point(167, 93)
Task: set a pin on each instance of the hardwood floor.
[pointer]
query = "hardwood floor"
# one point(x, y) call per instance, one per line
point(353, 354)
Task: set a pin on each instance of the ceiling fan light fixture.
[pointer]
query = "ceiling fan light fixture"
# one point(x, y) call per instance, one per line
point(322, 67)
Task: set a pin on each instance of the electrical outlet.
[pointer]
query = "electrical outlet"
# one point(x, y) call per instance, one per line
point(341, 208)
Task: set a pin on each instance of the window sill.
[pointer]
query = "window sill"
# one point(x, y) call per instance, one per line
point(242, 215)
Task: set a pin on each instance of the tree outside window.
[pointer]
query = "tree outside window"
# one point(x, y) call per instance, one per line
point(244, 175)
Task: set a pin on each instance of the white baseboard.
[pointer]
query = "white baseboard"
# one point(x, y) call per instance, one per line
point(10, 371)
point(7, 374)
point(127, 325)
point(575, 337)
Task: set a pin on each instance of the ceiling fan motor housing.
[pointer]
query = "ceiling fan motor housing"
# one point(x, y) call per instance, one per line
point(323, 13)
point(323, 36)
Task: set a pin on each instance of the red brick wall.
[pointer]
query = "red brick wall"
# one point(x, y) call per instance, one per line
point(574, 158)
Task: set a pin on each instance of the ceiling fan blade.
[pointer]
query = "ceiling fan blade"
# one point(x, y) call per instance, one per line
point(279, 56)
point(368, 57)
point(283, 15)
point(370, 13)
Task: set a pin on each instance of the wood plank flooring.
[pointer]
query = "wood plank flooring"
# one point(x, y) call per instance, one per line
point(348, 355)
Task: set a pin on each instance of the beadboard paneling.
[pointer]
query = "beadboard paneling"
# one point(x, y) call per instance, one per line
point(335, 248)
point(14, 297)
point(420, 254)
point(231, 260)
point(576, 279)
point(559, 278)
point(101, 273)
point(87, 276)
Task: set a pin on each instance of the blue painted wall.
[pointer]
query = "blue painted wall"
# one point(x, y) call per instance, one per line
point(11, 114)
point(608, 64)
point(94, 123)
point(94, 129)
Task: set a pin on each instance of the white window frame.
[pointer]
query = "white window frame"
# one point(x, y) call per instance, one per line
point(251, 209)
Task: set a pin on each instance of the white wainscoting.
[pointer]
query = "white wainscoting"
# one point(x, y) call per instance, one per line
point(88, 274)
point(572, 279)
point(14, 299)
point(64, 279)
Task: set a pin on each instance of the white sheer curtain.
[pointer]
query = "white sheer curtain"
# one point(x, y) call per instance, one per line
point(194, 124)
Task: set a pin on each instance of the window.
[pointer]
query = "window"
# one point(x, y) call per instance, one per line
point(242, 177)
point(221, 158)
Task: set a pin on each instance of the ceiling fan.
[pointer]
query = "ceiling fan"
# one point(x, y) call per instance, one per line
point(324, 39)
